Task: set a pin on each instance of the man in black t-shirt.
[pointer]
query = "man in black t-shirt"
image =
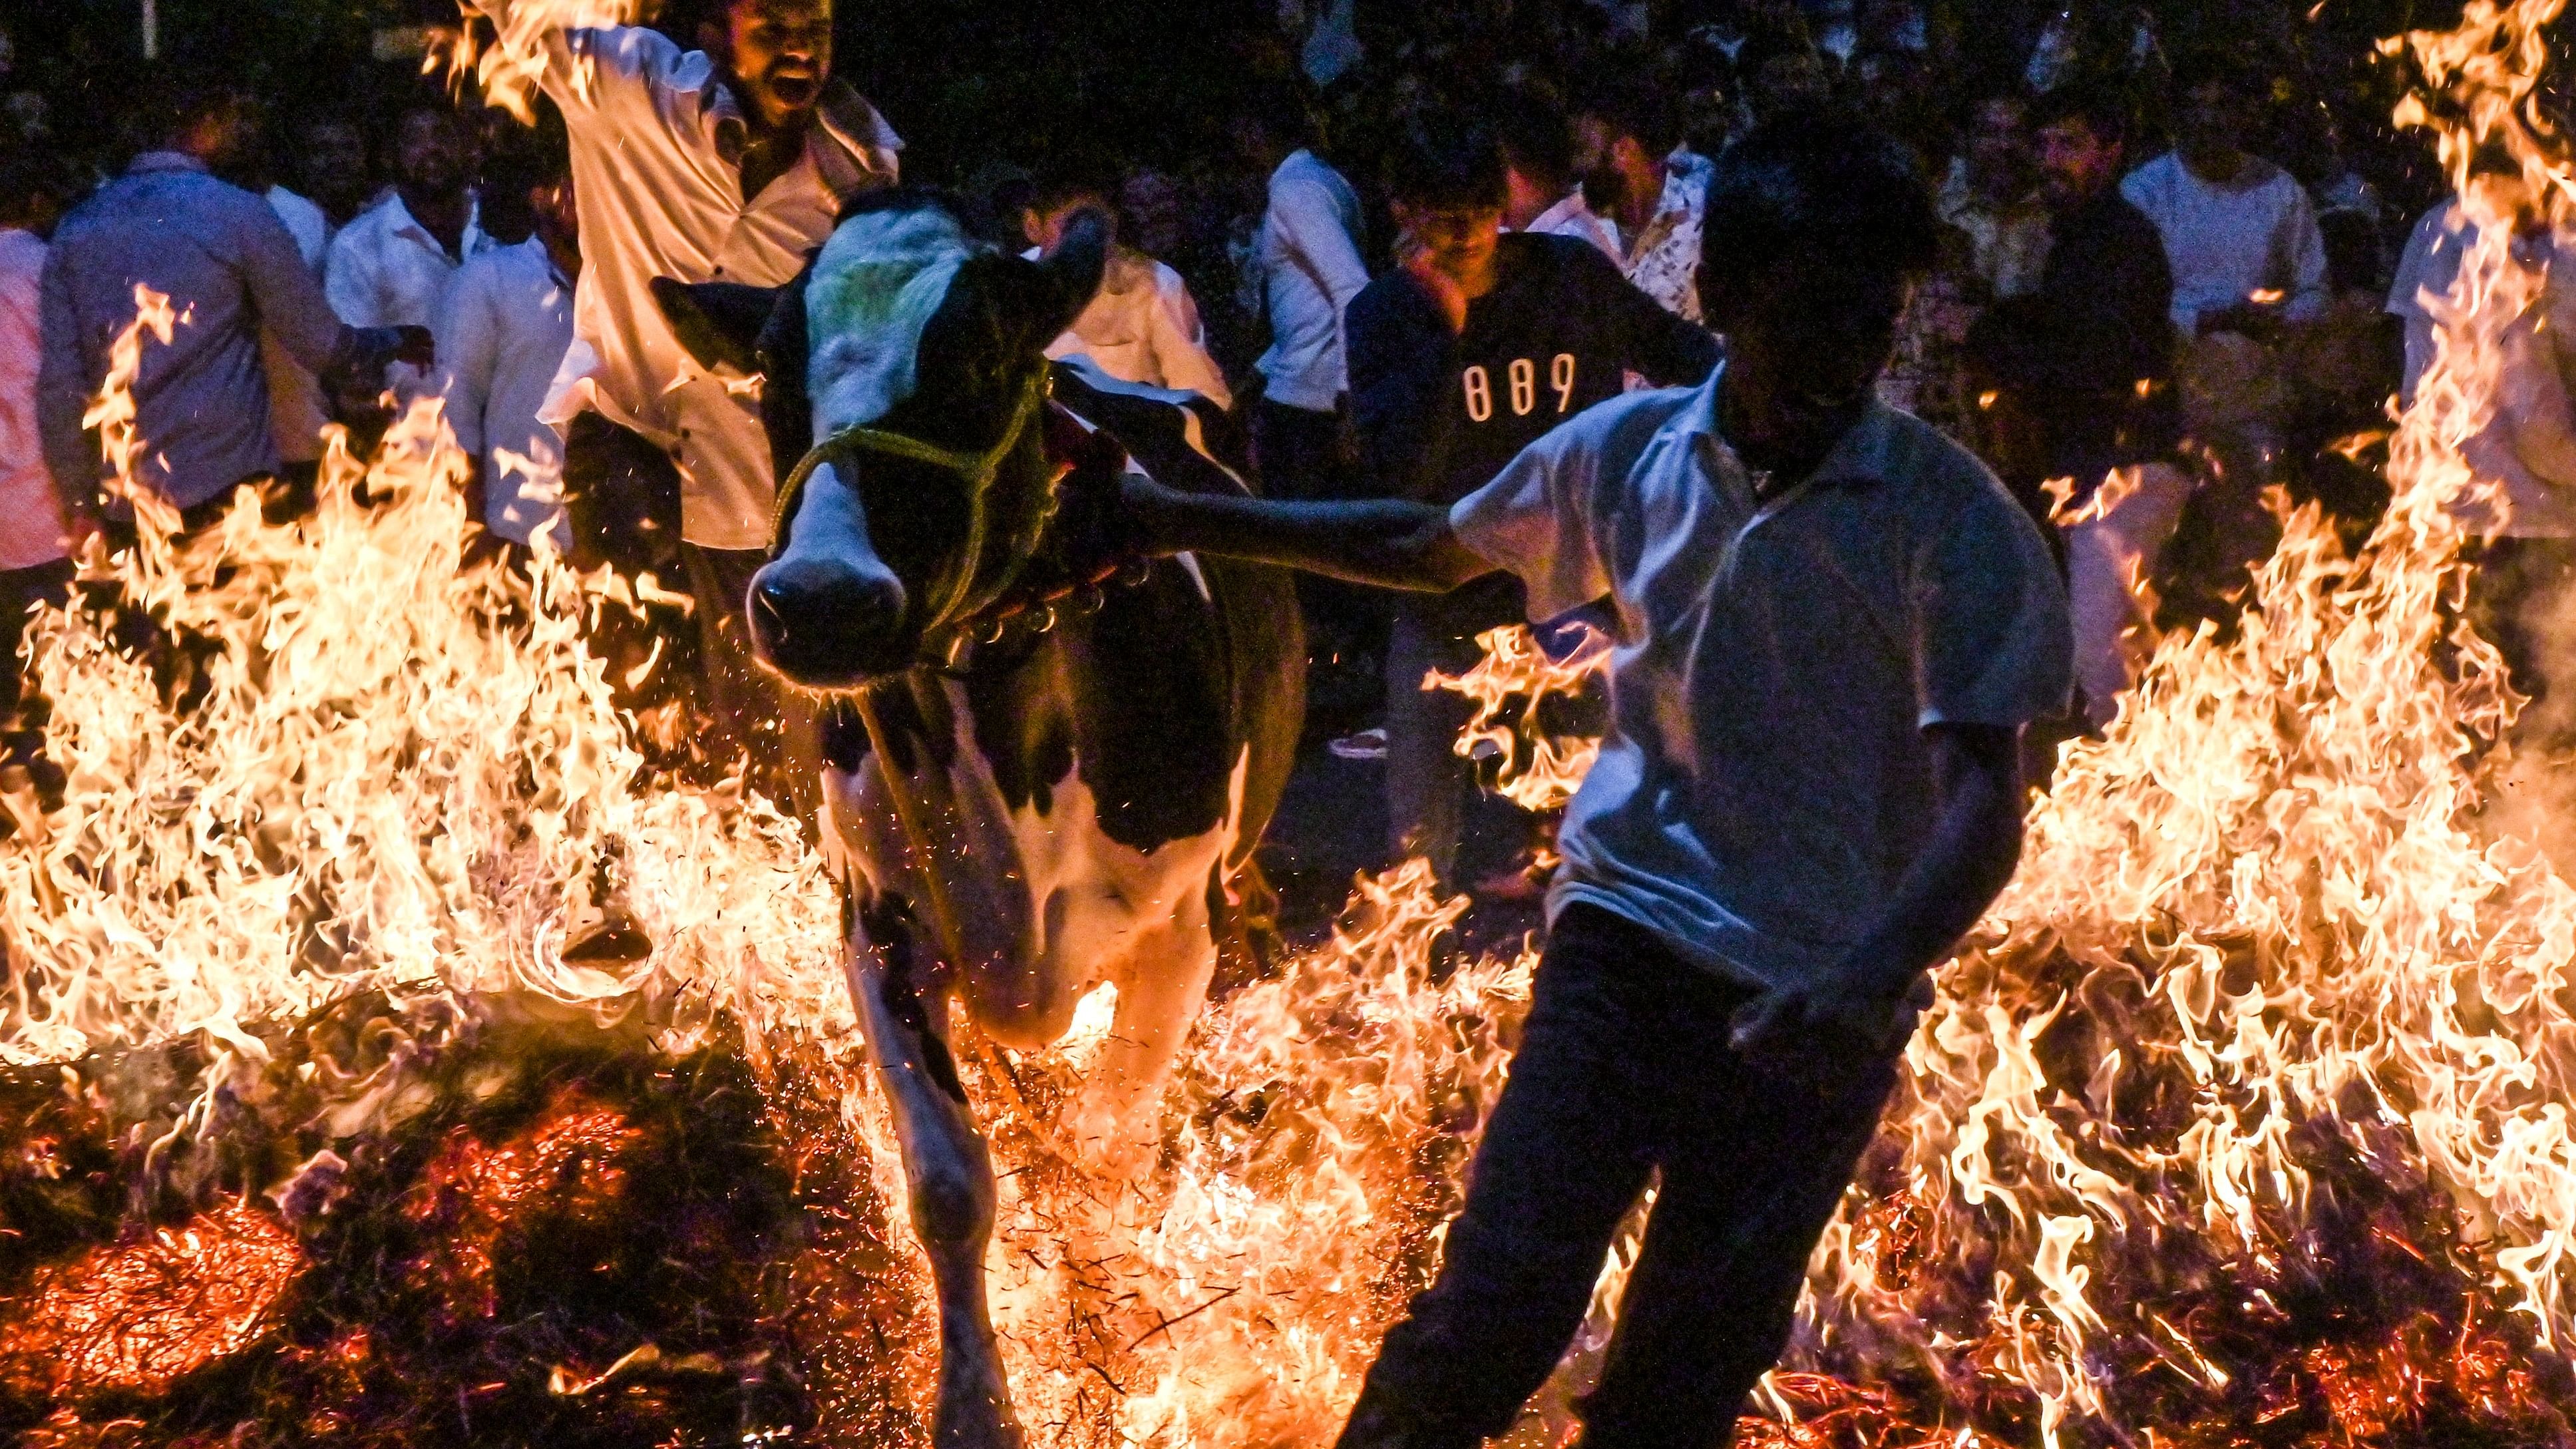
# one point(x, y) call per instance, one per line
point(1464, 355)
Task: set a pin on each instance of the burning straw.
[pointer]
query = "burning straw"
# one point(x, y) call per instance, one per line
point(391, 1057)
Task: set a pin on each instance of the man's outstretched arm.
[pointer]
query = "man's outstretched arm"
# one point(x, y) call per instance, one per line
point(1386, 542)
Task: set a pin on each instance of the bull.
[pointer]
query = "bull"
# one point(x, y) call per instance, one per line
point(1045, 768)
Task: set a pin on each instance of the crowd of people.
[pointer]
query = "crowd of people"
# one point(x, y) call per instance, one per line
point(1304, 269)
point(1469, 277)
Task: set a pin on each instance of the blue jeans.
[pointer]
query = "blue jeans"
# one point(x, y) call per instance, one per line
point(1624, 1073)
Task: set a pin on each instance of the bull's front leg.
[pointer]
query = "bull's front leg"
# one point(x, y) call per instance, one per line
point(1116, 1120)
point(946, 1166)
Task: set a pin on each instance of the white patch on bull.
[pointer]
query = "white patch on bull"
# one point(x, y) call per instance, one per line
point(876, 285)
point(1047, 905)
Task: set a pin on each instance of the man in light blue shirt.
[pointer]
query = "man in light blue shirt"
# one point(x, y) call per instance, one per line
point(230, 269)
point(1832, 624)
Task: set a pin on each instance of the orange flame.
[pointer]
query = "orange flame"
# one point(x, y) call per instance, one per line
point(1509, 687)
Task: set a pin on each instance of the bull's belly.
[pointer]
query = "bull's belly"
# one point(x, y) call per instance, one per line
point(1043, 906)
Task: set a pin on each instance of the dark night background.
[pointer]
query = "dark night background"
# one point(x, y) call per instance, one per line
point(970, 80)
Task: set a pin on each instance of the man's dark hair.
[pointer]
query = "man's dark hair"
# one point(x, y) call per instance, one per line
point(1071, 177)
point(682, 19)
point(1773, 43)
point(522, 160)
point(1445, 159)
point(29, 189)
point(1819, 186)
point(425, 101)
point(2103, 111)
point(1282, 108)
point(183, 104)
point(1537, 139)
point(1635, 107)
point(2215, 68)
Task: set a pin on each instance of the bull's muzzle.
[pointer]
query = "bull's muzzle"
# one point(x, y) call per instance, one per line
point(829, 623)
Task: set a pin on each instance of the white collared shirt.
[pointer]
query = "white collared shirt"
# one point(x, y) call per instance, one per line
point(2528, 443)
point(1765, 782)
point(1311, 269)
point(31, 512)
point(507, 326)
point(1575, 217)
point(1143, 327)
point(296, 410)
point(656, 148)
point(386, 270)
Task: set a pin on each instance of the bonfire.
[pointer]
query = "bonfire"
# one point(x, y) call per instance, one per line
point(391, 1052)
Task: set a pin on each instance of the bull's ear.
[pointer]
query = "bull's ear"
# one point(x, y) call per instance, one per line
point(1074, 270)
point(718, 322)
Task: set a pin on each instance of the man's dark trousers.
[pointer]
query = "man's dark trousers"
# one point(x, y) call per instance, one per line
point(1624, 1072)
point(622, 497)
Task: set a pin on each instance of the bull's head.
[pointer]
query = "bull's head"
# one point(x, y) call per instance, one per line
point(901, 368)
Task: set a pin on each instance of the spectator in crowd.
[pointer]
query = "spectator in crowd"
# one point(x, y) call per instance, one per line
point(2088, 360)
point(1628, 149)
point(1990, 194)
point(1804, 579)
point(1143, 326)
point(1308, 253)
point(503, 336)
point(331, 164)
point(2428, 270)
point(35, 532)
point(1181, 222)
point(2248, 264)
point(392, 266)
point(231, 268)
point(1928, 374)
point(296, 407)
point(2238, 231)
point(2526, 548)
point(1783, 73)
point(725, 163)
point(1538, 159)
point(1471, 350)
point(2344, 366)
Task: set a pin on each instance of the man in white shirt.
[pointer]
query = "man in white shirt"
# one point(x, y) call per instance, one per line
point(391, 267)
point(2239, 232)
point(1143, 327)
point(2526, 550)
point(35, 562)
point(1538, 168)
point(1309, 258)
point(2248, 265)
point(728, 163)
point(505, 331)
point(297, 409)
point(1832, 625)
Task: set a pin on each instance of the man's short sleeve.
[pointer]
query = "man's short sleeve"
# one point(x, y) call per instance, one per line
point(1535, 520)
point(1991, 641)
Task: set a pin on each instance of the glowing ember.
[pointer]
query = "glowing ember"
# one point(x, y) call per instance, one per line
point(474, 1196)
point(135, 1318)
